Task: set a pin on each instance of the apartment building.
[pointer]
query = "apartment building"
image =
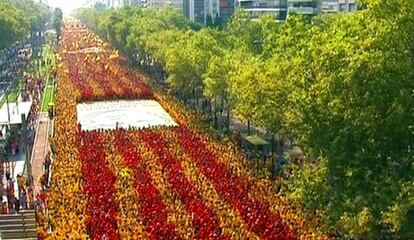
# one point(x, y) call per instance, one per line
point(202, 10)
point(304, 6)
point(178, 4)
point(257, 8)
point(334, 6)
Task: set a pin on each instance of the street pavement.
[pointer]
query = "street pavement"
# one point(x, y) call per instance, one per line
point(40, 149)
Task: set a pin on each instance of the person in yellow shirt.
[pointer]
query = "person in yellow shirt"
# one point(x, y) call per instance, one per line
point(21, 183)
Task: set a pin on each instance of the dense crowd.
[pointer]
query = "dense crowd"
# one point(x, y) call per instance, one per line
point(93, 68)
point(32, 88)
point(12, 62)
point(173, 183)
point(24, 193)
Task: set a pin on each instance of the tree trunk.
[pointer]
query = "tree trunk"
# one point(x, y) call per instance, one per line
point(222, 106)
point(204, 105)
point(228, 119)
point(196, 95)
point(248, 127)
point(215, 118)
point(273, 156)
point(279, 151)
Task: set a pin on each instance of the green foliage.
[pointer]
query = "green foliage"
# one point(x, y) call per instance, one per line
point(36, 13)
point(187, 60)
point(243, 84)
point(216, 84)
point(18, 18)
point(341, 85)
point(57, 20)
point(99, 6)
point(349, 95)
point(13, 24)
point(307, 186)
point(244, 33)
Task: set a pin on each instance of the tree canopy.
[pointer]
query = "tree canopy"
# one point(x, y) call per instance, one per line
point(18, 18)
point(57, 19)
point(13, 24)
point(341, 85)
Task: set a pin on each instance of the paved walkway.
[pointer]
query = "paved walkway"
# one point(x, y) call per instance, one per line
point(40, 149)
point(14, 166)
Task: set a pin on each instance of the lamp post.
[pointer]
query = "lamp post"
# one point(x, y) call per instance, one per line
point(25, 144)
point(8, 108)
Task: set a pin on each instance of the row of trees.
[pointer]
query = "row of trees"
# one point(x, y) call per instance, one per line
point(19, 18)
point(57, 19)
point(342, 85)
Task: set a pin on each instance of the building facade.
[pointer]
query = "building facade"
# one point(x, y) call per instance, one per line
point(178, 4)
point(310, 7)
point(279, 8)
point(333, 6)
point(210, 11)
point(226, 9)
point(328, 6)
point(257, 8)
point(203, 11)
point(120, 3)
point(348, 5)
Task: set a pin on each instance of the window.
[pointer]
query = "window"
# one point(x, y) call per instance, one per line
point(343, 7)
point(353, 7)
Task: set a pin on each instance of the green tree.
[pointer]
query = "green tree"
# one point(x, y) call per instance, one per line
point(243, 84)
point(340, 85)
point(187, 61)
point(13, 24)
point(216, 83)
point(345, 102)
point(57, 21)
point(36, 13)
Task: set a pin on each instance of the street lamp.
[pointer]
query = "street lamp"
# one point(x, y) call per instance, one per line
point(26, 150)
point(8, 108)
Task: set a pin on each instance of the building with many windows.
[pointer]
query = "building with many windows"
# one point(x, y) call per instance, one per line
point(333, 6)
point(210, 11)
point(203, 10)
point(226, 9)
point(178, 4)
point(116, 3)
point(328, 6)
point(257, 8)
point(279, 8)
point(348, 5)
point(304, 6)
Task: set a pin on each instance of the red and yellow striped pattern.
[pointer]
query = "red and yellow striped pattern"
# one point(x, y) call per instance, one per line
point(157, 183)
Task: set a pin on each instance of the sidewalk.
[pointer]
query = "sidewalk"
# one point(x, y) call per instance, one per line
point(40, 149)
point(236, 123)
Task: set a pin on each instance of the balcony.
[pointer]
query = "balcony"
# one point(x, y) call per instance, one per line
point(303, 10)
point(260, 4)
point(301, 1)
point(330, 7)
point(265, 9)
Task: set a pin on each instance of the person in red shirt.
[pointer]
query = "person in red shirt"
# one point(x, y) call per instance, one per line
point(4, 208)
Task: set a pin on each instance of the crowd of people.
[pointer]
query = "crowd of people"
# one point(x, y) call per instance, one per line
point(12, 62)
point(151, 183)
point(33, 89)
point(17, 200)
point(12, 65)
